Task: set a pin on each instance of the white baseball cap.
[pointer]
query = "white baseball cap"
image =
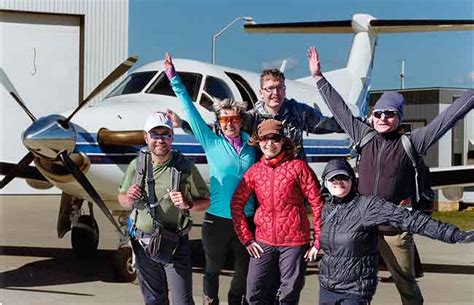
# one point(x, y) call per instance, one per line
point(158, 119)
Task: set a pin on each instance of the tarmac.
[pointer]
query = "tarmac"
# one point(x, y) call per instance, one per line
point(38, 268)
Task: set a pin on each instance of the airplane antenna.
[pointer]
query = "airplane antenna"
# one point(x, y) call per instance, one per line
point(402, 76)
point(283, 65)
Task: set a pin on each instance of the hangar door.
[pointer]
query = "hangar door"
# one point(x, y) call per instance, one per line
point(41, 55)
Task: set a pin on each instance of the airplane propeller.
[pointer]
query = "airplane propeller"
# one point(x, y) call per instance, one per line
point(53, 138)
point(84, 182)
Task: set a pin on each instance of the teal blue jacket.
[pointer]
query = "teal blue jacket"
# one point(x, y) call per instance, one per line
point(226, 166)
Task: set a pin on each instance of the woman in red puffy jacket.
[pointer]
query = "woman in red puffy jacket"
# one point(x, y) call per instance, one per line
point(281, 243)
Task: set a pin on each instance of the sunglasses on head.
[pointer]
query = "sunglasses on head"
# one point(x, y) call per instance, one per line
point(165, 136)
point(273, 136)
point(339, 178)
point(387, 113)
point(230, 119)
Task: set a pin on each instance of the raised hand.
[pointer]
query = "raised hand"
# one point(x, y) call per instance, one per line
point(169, 66)
point(314, 63)
point(175, 119)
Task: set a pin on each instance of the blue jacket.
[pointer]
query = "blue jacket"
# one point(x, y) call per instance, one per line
point(226, 167)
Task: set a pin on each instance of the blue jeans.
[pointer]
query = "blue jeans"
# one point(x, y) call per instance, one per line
point(155, 278)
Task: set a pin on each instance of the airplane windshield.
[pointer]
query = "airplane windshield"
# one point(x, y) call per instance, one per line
point(133, 83)
point(192, 82)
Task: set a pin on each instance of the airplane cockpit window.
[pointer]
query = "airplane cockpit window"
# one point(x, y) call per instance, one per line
point(191, 81)
point(214, 88)
point(133, 83)
point(245, 89)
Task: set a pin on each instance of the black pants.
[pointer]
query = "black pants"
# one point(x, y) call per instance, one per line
point(283, 265)
point(327, 297)
point(156, 278)
point(219, 240)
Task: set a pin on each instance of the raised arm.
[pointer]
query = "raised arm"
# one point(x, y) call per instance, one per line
point(377, 211)
point(423, 138)
point(201, 131)
point(354, 127)
point(240, 197)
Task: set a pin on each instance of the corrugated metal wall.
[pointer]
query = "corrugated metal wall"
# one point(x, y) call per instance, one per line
point(106, 32)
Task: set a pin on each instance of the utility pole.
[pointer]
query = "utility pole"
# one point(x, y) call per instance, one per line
point(402, 76)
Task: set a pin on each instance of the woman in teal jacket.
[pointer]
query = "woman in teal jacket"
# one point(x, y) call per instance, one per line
point(229, 156)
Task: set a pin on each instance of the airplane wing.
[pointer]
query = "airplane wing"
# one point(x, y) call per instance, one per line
point(452, 176)
point(376, 25)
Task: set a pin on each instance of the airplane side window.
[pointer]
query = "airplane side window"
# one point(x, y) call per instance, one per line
point(133, 83)
point(244, 88)
point(214, 88)
point(191, 82)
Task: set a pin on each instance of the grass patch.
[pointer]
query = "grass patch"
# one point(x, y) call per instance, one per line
point(463, 219)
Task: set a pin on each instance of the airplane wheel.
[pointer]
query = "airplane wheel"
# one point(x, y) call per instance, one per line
point(123, 265)
point(85, 237)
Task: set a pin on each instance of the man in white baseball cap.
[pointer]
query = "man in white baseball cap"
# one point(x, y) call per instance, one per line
point(164, 209)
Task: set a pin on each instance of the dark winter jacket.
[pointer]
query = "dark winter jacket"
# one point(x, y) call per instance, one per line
point(385, 169)
point(280, 185)
point(349, 239)
point(296, 118)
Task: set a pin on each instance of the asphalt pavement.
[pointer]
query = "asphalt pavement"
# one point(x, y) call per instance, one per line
point(38, 268)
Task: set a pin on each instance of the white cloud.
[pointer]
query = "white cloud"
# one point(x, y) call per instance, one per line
point(465, 80)
point(291, 64)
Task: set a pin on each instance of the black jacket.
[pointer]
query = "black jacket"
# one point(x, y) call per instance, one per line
point(296, 118)
point(385, 169)
point(349, 239)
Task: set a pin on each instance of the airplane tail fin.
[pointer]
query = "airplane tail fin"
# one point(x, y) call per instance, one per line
point(365, 29)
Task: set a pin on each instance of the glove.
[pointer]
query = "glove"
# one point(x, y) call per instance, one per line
point(464, 236)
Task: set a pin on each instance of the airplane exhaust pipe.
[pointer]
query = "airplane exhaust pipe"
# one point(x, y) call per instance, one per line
point(120, 138)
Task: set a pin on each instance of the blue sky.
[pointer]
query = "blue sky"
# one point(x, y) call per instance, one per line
point(185, 28)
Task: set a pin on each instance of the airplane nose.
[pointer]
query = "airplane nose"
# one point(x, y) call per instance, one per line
point(48, 136)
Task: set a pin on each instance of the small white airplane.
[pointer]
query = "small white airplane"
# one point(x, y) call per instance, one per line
point(85, 152)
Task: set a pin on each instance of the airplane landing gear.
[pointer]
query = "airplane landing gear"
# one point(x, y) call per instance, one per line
point(85, 235)
point(124, 264)
point(124, 270)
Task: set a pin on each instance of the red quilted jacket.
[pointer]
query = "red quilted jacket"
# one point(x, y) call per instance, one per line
point(280, 186)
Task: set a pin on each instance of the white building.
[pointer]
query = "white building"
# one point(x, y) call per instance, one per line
point(54, 52)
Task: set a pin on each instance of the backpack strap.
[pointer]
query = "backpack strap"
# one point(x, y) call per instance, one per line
point(357, 147)
point(413, 156)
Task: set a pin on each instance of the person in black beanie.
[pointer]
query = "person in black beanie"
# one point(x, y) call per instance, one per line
point(349, 236)
point(385, 169)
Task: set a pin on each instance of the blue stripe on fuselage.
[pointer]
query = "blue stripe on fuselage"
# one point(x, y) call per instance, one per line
point(317, 150)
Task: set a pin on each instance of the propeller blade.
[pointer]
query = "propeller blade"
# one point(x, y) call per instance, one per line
point(81, 178)
point(113, 76)
point(25, 172)
point(5, 80)
point(25, 161)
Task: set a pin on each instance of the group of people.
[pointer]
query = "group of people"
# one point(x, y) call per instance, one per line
point(260, 187)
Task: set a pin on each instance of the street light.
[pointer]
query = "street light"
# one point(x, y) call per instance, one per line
point(246, 19)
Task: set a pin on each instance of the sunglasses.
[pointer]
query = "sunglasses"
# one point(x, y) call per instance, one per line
point(339, 178)
point(280, 88)
point(274, 137)
point(230, 119)
point(165, 136)
point(387, 113)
